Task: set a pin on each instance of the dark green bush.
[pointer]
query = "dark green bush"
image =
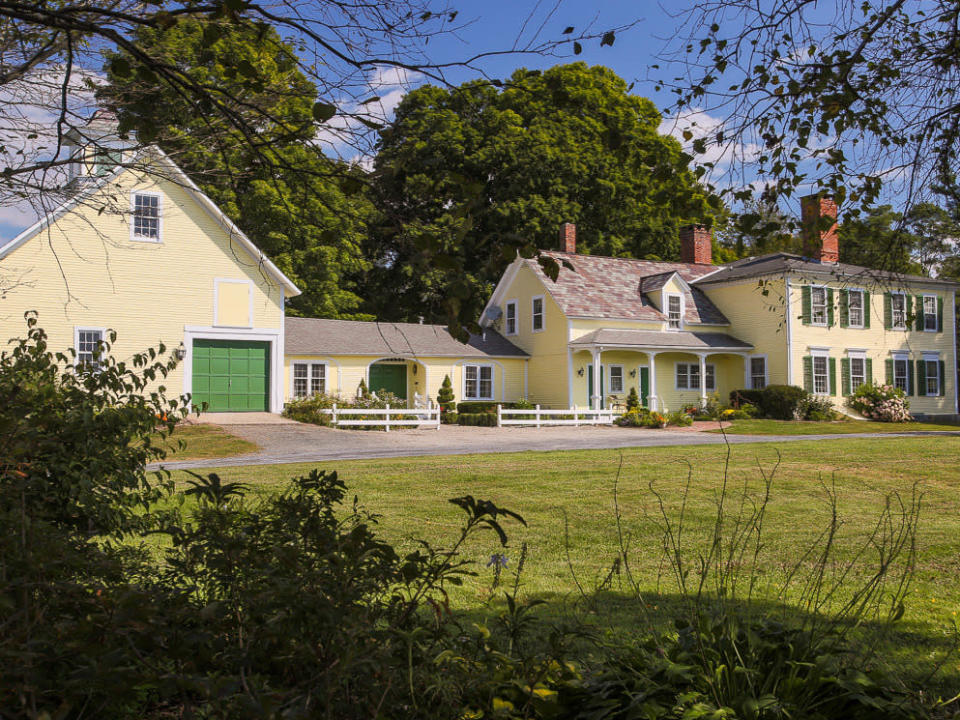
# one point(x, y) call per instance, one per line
point(447, 402)
point(473, 406)
point(781, 402)
point(480, 419)
point(450, 418)
point(753, 397)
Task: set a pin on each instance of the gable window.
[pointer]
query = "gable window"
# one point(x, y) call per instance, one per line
point(758, 373)
point(309, 379)
point(898, 311)
point(89, 346)
point(478, 382)
point(818, 305)
point(510, 317)
point(901, 373)
point(537, 314)
point(616, 378)
point(855, 308)
point(688, 376)
point(146, 217)
point(858, 371)
point(674, 311)
point(930, 313)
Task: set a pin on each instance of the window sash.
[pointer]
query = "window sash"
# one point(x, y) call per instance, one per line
point(478, 382)
point(900, 373)
point(89, 342)
point(821, 377)
point(898, 311)
point(511, 320)
point(616, 379)
point(146, 216)
point(683, 382)
point(818, 305)
point(933, 376)
point(858, 372)
point(537, 314)
point(855, 308)
point(309, 379)
point(673, 311)
point(688, 376)
point(929, 313)
point(758, 373)
point(299, 380)
point(318, 379)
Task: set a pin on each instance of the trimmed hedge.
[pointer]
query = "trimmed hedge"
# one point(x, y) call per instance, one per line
point(739, 397)
point(479, 419)
point(779, 402)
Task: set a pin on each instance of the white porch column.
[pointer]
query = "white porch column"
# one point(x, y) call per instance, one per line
point(703, 380)
point(652, 391)
point(595, 389)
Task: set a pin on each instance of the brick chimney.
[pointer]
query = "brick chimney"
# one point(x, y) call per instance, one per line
point(568, 237)
point(819, 219)
point(696, 245)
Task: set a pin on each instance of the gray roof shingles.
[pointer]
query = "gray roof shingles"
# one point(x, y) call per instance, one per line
point(606, 287)
point(312, 336)
point(662, 339)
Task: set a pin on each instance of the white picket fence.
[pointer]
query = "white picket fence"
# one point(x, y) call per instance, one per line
point(538, 417)
point(386, 418)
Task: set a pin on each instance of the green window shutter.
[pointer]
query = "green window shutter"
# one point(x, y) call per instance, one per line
point(869, 368)
point(807, 306)
point(845, 375)
point(808, 373)
point(943, 378)
point(866, 310)
point(829, 307)
point(910, 374)
point(918, 309)
point(887, 311)
point(908, 306)
point(921, 377)
point(889, 363)
point(939, 315)
point(833, 376)
point(844, 308)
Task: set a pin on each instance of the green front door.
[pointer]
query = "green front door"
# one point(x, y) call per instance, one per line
point(231, 375)
point(590, 386)
point(644, 386)
point(389, 377)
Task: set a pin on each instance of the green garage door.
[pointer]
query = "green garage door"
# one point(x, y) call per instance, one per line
point(231, 375)
point(392, 378)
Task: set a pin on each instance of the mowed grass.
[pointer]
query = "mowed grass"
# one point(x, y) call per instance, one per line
point(802, 427)
point(201, 442)
point(567, 499)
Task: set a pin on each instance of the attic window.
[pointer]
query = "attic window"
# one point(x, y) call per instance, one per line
point(146, 217)
point(674, 311)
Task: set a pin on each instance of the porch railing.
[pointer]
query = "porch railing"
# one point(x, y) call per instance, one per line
point(540, 417)
point(386, 418)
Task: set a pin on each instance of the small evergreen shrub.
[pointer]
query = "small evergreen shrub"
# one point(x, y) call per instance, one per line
point(885, 403)
point(780, 402)
point(447, 402)
point(633, 400)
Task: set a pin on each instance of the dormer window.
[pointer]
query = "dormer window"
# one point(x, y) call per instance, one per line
point(146, 217)
point(674, 311)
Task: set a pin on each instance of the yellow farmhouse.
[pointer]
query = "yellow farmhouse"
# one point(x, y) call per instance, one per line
point(679, 332)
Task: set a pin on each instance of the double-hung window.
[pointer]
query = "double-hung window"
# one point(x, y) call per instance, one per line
point(616, 378)
point(510, 317)
point(855, 308)
point(931, 366)
point(901, 373)
point(821, 375)
point(674, 306)
point(146, 217)
point(858, 371)
point(309, 379)
point(758, 373)
point(898, 311)
point(537, 314)
point(688, 376)
point(818, 305)
point(478, 382)
point(89, 347)
point(930, 313)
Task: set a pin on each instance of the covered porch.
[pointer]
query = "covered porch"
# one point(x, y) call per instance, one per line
point(669, 369)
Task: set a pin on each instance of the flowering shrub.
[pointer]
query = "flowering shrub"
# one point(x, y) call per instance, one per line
point(885, 403)
point(680, 419)
point(308, 409)
point(815, 407)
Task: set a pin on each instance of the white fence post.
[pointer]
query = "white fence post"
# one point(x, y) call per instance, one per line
point(334, 414)
point(437, 410)
point(538, 416)
point(499, 415)
point(576, 419)
point(387, 418)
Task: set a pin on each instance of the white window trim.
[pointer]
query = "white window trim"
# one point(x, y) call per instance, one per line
point(216, 301)
point(77, 329)
point(748, 374)
point(906, 320)
point(309, 364)
point(856, 355)
point(826, 306)
point(543, 314)
point(133, 209)
point(516, 318)
point(703, 380)
point(623, 380)
point(896, 356)
point(824, 353)
point(666, 310)
point(934, 358)
point(863, 308)
point(493, 382)
point(923, 310)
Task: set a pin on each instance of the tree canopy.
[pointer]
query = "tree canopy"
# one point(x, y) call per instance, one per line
point(466, 177)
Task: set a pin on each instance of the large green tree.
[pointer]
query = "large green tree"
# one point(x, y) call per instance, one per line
point(877, 239)
point(290, 199)
point(468, 176)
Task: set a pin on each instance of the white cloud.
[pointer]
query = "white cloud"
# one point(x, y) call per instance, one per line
point(703, 126)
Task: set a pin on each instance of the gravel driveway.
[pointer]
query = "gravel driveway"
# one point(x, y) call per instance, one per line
point(295, 442)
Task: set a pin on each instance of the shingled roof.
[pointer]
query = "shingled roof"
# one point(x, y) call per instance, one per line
point(312, 336)
point(606, 287)
point(660, 339)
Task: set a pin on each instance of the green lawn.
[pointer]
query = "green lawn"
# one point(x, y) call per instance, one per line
point(841, 427)
point(204, 441)
point(549, 487)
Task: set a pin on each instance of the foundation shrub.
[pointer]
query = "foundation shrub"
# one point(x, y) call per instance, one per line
point(885, 403)
point(478, 419)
